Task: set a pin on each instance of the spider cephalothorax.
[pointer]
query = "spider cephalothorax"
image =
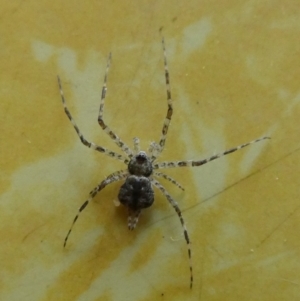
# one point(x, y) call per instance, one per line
point(137, 192)
point(140, 165)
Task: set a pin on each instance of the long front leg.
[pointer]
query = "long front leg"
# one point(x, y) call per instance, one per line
point(82, 139)
point(101, 122)
point(170, 107)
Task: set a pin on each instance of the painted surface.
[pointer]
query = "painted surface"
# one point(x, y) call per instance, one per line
point(234, 70)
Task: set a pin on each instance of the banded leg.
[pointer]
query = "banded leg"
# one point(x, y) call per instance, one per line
point(192, 163)
point(133, 218)
point(154, 150)
point(186, 235)
point(167, 177)
point(114, 177)
point(170, 107)
point(101, 122)
point(136, 144)
point(82, 139)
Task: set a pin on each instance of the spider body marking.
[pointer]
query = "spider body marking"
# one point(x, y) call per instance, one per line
point(137, 193)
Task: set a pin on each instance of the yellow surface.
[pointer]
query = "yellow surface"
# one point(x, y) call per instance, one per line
point(234, 70)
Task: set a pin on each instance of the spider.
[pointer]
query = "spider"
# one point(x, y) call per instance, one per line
point(137, 191)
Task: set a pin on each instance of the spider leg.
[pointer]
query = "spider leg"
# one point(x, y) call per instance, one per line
point(186, 236)
point(82, 139)
point(154, 150)
point(101, 122)
point(170, 107)
point(114, 177)
point(167, 177)
point(136, 144)
point(133, 218)
point(192, 163)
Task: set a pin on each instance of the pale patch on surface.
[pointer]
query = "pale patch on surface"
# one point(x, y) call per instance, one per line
point(42, 51)
point(289, 22)
point(255, 70)
point(195, 36)
point(229, 232)
point(32, 177)
point(272, 260)
point(295, 101)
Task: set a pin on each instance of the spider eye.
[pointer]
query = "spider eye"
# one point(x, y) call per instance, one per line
point(140, 159)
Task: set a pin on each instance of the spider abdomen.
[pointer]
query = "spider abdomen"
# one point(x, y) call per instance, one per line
point(136, 193)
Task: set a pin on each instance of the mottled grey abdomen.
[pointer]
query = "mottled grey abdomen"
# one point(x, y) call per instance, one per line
point(136, 193)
